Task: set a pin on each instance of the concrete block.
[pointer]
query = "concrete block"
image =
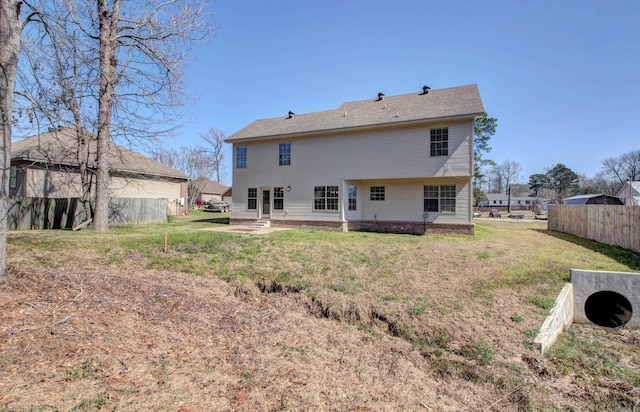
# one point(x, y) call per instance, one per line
point(560, 317)
point(606, 298)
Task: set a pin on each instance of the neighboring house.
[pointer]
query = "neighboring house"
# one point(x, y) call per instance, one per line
point(401, 163)
point(502, 200)
point(209, 190)
point(630, 193)
point(46, 166)
point(595, 199)
point(228, 196)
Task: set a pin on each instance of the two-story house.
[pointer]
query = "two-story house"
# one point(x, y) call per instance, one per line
point(392, 163)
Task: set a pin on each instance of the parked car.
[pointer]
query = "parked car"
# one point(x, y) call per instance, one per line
point(217, 206)
point(494, 213)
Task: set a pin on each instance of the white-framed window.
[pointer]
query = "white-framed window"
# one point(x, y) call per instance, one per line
point(376, 193)
point(353, 198)
point(241, 157)
point(285, 154)
point(440, 199)
point(278, 198)
point(252, 198)
point(325, 198)
point(440, 142)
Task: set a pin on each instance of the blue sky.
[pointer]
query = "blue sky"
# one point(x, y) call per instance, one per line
point(561, 77)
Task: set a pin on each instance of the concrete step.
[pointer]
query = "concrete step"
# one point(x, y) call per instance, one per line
point(260, 224)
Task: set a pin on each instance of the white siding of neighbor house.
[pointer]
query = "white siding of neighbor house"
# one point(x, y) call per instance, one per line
point(398, 159)
point(144, 188)
point(52, 184)
point(59, 184)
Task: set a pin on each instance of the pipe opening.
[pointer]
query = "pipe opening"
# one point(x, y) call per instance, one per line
point(609, 309)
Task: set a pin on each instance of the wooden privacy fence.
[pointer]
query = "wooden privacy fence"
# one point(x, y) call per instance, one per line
point(612, 225)
point(27, 213)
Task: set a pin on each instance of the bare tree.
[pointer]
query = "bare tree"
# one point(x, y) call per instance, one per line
point(10, 27)
point(512, 172)
point(56, 84)
point(215, 139)
point(623, 168)
point(139, 48)
point(168, 156)
point(496, 179)
point(197, 163)
point(503, 175)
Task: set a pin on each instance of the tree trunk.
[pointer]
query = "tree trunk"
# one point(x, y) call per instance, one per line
point(10, 28)
point(108, 63)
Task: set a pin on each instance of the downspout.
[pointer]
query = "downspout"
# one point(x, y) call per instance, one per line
point(345, 189)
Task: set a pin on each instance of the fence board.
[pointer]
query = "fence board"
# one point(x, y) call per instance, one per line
point(609, 224)
point(30, 213)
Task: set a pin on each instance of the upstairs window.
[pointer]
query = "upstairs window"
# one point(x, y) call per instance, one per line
point(440, 199)
point(241, 157)
point(440, 142)
point(376, 193)
point(325, 198)
point(285, 154)
point(278, 198)
point(252, 198)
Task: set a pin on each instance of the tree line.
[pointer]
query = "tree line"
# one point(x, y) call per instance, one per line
point(200, 161)
point(559, 181)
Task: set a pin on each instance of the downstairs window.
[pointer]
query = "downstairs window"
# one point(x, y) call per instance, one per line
point(440, 199)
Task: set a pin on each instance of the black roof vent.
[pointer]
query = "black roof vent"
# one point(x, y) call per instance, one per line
point(380, 96)
point(291, 114)
point(425, 89)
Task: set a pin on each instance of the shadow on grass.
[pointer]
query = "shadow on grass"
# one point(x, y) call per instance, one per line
point(217, 220)
point(620, 255)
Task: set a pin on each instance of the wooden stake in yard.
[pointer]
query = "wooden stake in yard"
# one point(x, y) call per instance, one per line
point(165, 242)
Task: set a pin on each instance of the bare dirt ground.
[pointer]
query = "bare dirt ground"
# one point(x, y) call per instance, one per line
point(103, 338)
point(168, 341)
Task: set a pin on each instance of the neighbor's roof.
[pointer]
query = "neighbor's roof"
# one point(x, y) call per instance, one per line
point(454, 102)
point(209, 186)
point(59, 147)
point(583, 199)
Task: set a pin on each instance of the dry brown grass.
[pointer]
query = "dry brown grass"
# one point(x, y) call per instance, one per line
point(301, 321)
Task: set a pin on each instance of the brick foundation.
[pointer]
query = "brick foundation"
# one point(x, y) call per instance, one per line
point(414, 228)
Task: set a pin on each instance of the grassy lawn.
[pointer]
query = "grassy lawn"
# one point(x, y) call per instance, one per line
point(460, 312)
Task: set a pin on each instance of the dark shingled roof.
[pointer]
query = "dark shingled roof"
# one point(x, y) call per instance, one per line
point(463, 101)
point(59, 147)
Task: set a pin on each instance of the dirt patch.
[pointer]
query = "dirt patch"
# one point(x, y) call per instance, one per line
point(165, 341)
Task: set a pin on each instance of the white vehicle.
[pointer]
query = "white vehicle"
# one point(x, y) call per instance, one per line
point(216, 206)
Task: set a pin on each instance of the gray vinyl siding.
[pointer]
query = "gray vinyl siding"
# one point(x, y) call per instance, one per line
point(404, 201)
point(399, 158)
